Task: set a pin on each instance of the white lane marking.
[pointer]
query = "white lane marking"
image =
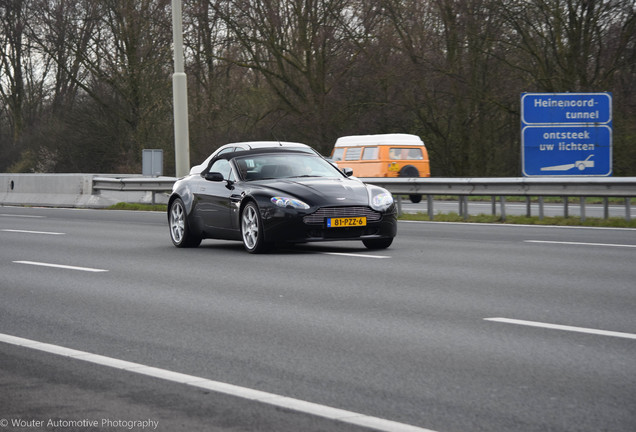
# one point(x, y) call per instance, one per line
point(317, 410)
point(32, 232)
point(356, 255)
point(581, 243)
point(21, 216)
point(563, 327)
point(61, 266)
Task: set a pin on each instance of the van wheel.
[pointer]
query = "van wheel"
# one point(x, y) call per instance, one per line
point(411, 171)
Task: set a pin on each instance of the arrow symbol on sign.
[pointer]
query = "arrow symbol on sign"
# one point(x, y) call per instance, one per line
point(581, 165)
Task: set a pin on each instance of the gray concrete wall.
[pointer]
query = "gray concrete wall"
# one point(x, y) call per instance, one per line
point(65, 190)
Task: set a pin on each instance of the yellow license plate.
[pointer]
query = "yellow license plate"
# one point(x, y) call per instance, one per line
point(346, 222)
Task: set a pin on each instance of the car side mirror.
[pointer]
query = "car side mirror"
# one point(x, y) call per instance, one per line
point(348, 171)
point(214, 176)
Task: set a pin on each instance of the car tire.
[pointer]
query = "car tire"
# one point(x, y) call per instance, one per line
point(180, 232)
point(252, 229)
point(382, 243)
point(411, 171)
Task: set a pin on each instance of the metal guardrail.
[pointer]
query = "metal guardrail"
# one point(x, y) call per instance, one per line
point(134, 184)
point(496, 188)
point(499, 188)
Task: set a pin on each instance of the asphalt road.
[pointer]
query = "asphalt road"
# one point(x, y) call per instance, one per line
point(456, 327)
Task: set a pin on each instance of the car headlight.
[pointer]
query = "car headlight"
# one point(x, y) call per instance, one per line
point(288, 202)
point(380, 199)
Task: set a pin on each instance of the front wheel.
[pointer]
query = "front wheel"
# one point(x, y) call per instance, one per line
point(382, 243)
point(252, 229)
point(180, 232)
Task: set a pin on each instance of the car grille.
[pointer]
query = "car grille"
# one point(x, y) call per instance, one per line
point(318, 217)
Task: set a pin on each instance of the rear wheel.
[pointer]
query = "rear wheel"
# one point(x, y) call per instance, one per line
point(382, 243)
point(252, 229)
point(180, 232)
point(411, 171)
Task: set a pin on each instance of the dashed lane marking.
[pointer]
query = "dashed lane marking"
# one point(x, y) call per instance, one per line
point(61, 266)
point(32, 232)
point(580, 243)
point(563, 327)
point(356, 255)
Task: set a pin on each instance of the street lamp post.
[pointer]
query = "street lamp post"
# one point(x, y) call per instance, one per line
point(180, 96)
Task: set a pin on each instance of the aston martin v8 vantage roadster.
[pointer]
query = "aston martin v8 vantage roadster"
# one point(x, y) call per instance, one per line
point(272, 196)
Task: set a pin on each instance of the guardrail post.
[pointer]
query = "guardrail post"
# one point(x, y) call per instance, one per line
point(605, 208)
point(628, 209)
point(541, 207)
point(399, 205)
point(493, 205)
point(528, 206)
point(566, 207)
point(463, 206)
point(582, 209)
point(503, 208)
point(429, 207)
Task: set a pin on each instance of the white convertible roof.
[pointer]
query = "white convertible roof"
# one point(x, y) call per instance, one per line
point(246, 145)
point(380, 139)
point(265, 144)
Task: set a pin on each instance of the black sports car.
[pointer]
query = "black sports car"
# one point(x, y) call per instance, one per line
point(268, 196)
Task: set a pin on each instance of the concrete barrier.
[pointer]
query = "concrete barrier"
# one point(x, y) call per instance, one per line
point(66, 190)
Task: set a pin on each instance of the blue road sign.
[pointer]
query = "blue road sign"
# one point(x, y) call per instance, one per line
point(567, 150)
point(566, 108)
point(566, 134)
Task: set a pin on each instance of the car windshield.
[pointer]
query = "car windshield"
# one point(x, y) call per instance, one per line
point(287, 165)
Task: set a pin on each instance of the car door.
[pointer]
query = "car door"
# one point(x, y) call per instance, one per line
point(214, 199)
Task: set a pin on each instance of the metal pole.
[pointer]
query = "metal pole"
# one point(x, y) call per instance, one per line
point(180, 96)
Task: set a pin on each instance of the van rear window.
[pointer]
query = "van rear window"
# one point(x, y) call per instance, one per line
point(396, 153)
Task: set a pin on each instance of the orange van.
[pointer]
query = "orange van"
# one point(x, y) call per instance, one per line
point(385, 155)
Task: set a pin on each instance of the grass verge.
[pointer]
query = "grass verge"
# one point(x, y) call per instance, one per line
point(524, 220)
point(139, 207)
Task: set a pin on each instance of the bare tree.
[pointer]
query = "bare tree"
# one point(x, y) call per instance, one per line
point(294, 46)
point(13, 54)
point(570, 45)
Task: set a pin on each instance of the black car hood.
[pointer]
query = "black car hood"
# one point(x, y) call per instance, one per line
point(319, 191)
